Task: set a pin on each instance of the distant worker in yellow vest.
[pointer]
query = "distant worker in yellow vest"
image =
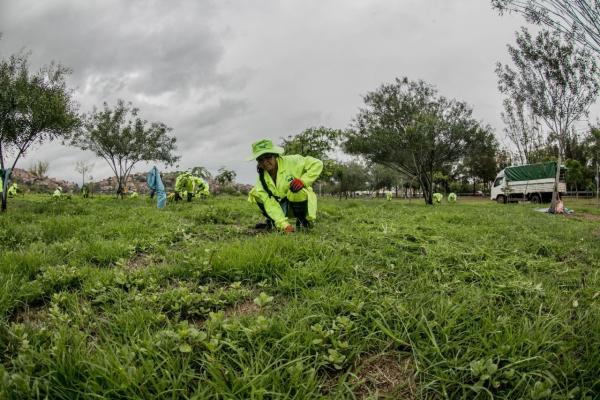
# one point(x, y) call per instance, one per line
point(12, 190)
point(388, 195)
point(452, 198)
point(188, 185)
point(284, 187)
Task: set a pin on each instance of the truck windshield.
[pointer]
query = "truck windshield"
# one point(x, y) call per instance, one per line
point(498, 181)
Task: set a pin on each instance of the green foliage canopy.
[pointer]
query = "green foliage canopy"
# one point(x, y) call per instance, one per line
point(350, 177)
point(225, 176)
point(406, 126)
point(122, 139)
point(34, 108)
point(318, 143)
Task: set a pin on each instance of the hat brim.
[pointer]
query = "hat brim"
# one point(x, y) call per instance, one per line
point(273, 150)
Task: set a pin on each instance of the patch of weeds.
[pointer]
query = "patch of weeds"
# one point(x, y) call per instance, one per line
point(331, 341)
point(216, 215)
point(101, 253)
point(194, 302)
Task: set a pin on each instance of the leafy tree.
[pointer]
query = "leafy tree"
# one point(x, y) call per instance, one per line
point(441, 180)
point(593, 148)
point(581, 18)
point(201, 171)
point(479, 162)
point(225, 176)
point(503, 159)
point(409, 128)
point(574, 175)
point(318, 143)
point(39, 169)
point(83, 167)
point(314, 142)
point(556, 80)
point(350, 177)
point(123, 139)
point(522, 129)
point(383, 177)
point(34, 108)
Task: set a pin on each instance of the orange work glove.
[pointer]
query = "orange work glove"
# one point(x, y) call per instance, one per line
point(296, 185)
point(289, 229)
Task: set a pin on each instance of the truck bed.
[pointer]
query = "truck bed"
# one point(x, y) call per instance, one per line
point(535, 186)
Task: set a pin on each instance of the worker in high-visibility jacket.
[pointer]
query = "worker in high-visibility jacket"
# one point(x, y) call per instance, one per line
point(188, 185)
point(12, 190)
point(284, 187)
point(437, 198)
point(452, 198)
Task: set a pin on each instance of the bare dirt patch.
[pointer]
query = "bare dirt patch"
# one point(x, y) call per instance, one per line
point(141, 260)
point(31, 315)
point(590, 217)
point(386, 376)
point(248, 307)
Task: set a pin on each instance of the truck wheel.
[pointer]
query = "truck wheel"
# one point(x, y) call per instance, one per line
point(501, 199)
point(536, 199)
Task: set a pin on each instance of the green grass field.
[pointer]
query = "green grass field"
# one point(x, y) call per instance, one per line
point(105, 298)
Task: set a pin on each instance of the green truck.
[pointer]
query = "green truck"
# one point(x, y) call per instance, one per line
point(531, 182)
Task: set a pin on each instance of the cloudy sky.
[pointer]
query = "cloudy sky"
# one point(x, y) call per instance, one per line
point(225, 73)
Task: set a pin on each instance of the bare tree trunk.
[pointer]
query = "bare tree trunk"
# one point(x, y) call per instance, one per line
point(427, 190)
point(5, 177)
point(556, 180)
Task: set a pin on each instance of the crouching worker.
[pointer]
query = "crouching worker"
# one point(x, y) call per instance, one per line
point(283, 187)
point(188, 185)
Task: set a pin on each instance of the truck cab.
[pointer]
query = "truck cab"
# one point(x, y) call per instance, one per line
point(498, 188)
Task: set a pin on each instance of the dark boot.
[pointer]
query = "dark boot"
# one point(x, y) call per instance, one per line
point(267, 225)
point(300, 211)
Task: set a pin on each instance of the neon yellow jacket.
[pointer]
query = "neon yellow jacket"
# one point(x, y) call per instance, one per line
point(186, 182)
point(307, 169)
point(12, 190)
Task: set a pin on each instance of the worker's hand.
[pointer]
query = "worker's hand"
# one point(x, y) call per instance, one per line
point(296, 185)
point(289, 229)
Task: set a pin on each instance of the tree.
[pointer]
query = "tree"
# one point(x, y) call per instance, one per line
point(350, 177)
point(39, 169)
point(522, 129)
point(409, 128)
point(580, 18)
point(479, 161)
point(593, 146)
point(123, 139)
point(201, 171)
point(383, 177)
point(574, 174)
point(556, 80)
point(83, 167)
point(225, 176)
point(318, 143)
point(34, 108)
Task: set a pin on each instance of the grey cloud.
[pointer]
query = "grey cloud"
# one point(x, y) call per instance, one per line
point(226, 73)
